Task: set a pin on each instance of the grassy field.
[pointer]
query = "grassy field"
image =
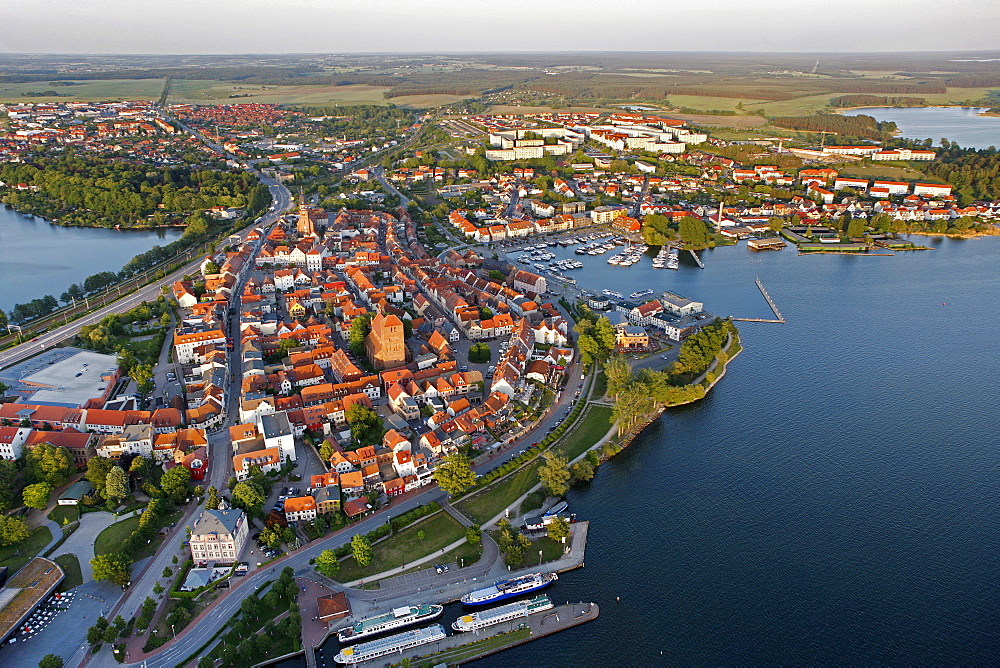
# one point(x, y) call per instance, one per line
point(440, 530)
point(15, 556)
point(217, 92)
point(110, 540)
point(71, 567)
point(487, 504)
point(111, 89)
point(426, 101)
point(551, 550)
point(872, 171)
point(60, 513)
point(588, 432)
point(708, 102)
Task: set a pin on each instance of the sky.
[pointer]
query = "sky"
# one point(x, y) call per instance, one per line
point(436, 26)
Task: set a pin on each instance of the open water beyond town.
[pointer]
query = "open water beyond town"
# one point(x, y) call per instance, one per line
point(832, 502)
point(38, 258)
point(963, 125)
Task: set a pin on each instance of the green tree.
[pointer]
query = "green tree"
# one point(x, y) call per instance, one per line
point(51, 661)
point(8, 476)
point(326, 450)
point(213, 499)
point(174, 483)
point(139, 467)
point(856, 227)
point(455, 475)
point(360, 327)
point(142, 374)
point(604, 334)
point(195, 225)
point(116, 486)
point(474, 534)
point(97, 472)
point(558, 529)
point(37, 495)
point(554, 474)
point(49, 463)
point(158, 589)
point(361, 547)
point(366, 425)
point(116, 568)
point(618, 373)
point(479, 353)
point(13, 530)
point(327, 563)
point(775, 223)
point(497, 275)
point(693, 232)
point(581, 471)
point(250, 607)
point(248, 496)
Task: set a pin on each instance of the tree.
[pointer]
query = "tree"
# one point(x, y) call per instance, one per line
point(421, 535)
point(116, 485)
point(116, 568)
point(618, 373)
point(248, 496)
point(97, 472)
point(692, 231)
point(51, 661)
point(497, 275)
point(604, 334)
point(196, 225)
point(775, 223)
point(174, 482)
point(474, 534)
point(554, 474)
point(479, 353)
point(139, 467)
point(558, 529)
point(360, 327)
point(142, 374)
point(327, 563)
point(213, 499)
point(37, 495)
point(581, 471)
point(455, 475)
point(366, 425)
point(250, 607)
point(362, 549)
point(158, 589)
point(13, 530)
point(49, 463)
point(856, 227)
point(8, 475)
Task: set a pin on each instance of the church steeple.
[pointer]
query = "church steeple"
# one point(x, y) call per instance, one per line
point(305, 226)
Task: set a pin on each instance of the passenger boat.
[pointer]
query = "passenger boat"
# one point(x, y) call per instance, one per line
point(503, 613)
point(397, 618)
point(398, 643)
point(502, 589)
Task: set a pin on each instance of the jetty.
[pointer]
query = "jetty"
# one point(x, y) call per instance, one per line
point(778, 318)
point(697, 259)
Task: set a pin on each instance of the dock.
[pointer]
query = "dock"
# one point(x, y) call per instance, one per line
point(696, 258)
point(778, 318)
point(461, 648)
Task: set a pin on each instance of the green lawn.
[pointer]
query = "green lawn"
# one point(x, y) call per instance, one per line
point(489, 503)
point(531, 502)
point(440, 530)
point(60, 513)
point(587, 432)
point(110, 540)
point(71, 566)
point(463, 653)
point(15, 556)
point(600, 386)
point(551, 550)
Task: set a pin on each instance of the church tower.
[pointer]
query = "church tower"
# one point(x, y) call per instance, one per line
point(305, 225)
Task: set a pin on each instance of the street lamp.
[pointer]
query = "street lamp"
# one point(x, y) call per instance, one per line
point(539, 557)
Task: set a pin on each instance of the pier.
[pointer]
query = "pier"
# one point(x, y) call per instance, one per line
point(461, 648)
point(778, 318)
point(697, 259)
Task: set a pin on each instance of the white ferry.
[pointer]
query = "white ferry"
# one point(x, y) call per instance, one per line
point(395, 619)
point(398, 643)
point(507, 588)
point(503, 613)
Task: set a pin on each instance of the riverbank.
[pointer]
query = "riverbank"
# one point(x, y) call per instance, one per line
point(989, 231)
point(60, 223)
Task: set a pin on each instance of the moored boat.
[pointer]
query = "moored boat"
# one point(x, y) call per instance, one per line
point(502, 589)
point(400, 642)
point(395, 619)
point(503, 613)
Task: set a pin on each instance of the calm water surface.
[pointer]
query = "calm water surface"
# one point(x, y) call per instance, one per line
point(959, 124)
point(38, 258)
point(833, 501)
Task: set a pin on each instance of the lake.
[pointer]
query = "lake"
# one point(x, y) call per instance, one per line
point(958, 124)
point(38, 258)
point(832, 502)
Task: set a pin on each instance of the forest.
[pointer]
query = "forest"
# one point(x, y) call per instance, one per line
point(861, 126)
point(357, 122)
point(94, 192)
point(877, 101)
point(975, 174)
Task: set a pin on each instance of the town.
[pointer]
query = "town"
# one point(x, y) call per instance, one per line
point(377, 365)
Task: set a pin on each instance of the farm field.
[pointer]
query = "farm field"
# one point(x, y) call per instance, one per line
point(219, 93)
point(87, 91)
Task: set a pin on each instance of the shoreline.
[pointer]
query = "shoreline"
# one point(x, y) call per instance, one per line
point(92, 227)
